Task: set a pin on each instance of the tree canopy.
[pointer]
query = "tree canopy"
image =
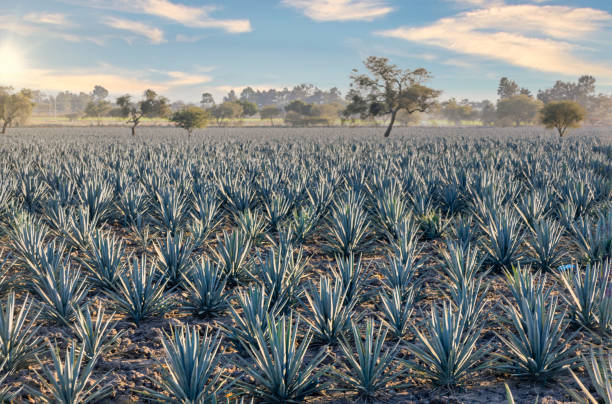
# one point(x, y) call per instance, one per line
point(562, 115)
point(517, 109)
point(190, 118)
point(15, 108)
point(387, 89)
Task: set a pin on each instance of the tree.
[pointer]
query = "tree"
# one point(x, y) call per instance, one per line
point(190, 118)
point(248, 108)
point(568, 91)
point(456, 112)
point(151, 106)
point(562, 115)
point(15, 108)
point(488, 113)
point(207, 101)
point(97, 109)
point(390, 89)
point(270, 112)
point(517, 109)
point(507, 88)
point(227, 110)
point(99, 93)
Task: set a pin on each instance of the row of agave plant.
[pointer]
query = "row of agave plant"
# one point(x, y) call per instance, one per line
point(224, 231)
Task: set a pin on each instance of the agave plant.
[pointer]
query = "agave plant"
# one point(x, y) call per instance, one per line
point(331, 311)
point(171, 209)
point(352, 275)
point(432, 225)
point(303, 223)
point(390, 209)
point(526, 286)
point(367, 369)
point(251, 223)
point(189, 368)
point(280, 273)
point(61, 288)
point(18, 341)
point(599, 367)
point(400, 275)
point(95, 334)
point(397, 310)
point(586, 293)
point(233, 255)
point(277, 206)
point(206, 217)
point(348, 226)
point(27, 239)
point(174, 257)
point(205, 287)
point(81, 230)
point(463, 231)
point(504, 240)
point(536, 349)
point(5, 276)
point(68, 382)
point(280, 371)
point(140, 293)
point(545, 252)
point(104, 260)
point(257, 308)
point(460, 264)
point(594, 240)
point(447, 352)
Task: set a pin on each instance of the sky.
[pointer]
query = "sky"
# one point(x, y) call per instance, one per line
point(182, 48)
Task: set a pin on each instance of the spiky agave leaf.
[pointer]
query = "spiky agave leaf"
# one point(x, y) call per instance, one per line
point(232, 255)
point(140, 293)
point(95, 334)
point(280, 273)
point(397, 310)
point(352, 275)
point(594, 239)
point(544, 247)
point(18, 341)
point(174, 257)
point(205, 287)
point(105, 260)
point(599, 368)
point(536, 349)
point(257, 307)
point(348, 226)
point(460, 264)
point(503, 246)
point(67, 382)
point(189, 373)
point(280, 371)
point(330, 310)
point(61, 288)
point(447, 352)
point(367, 369)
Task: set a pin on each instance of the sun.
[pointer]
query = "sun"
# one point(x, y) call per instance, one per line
point(12, 64)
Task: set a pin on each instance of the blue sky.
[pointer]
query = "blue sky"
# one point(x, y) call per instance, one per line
point(182, 48)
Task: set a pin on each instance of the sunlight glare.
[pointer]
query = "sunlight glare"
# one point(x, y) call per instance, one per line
point(11, 63)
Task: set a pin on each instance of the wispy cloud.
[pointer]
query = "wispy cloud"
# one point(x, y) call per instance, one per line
point(30, 27)
point(155, 35)
point(341, 10)
point(46, 18)
point(189, 16)
point(544, 38)
point(116, 80)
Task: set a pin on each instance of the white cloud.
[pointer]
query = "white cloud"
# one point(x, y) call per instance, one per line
point(341, 10)
point(46, 18)
point(21, 27)
point(116, 80)
point(194, 17)
point(155, 35)
point(543, 38)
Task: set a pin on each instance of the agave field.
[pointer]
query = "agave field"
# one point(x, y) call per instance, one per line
point(305, 265)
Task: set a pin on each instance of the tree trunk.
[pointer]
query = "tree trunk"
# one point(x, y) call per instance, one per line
point(388, 131)
point(4, 126)
point(134, 130)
